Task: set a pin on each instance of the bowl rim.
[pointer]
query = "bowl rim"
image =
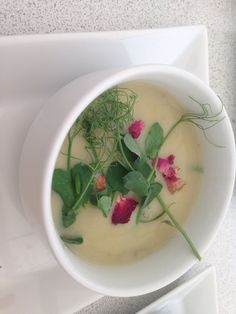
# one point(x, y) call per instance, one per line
point(118, 76)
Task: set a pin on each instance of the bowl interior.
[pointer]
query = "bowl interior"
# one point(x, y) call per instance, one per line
point(167, 264)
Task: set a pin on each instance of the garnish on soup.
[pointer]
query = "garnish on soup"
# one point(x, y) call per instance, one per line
point(169, 173)
point(126, 169)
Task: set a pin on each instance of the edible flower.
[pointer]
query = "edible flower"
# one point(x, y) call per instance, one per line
point(169, 173)
point(123, 209)
point(136, 128)
point(174, 184)
point(101, 183)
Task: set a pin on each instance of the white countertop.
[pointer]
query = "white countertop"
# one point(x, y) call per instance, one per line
point(43, 16)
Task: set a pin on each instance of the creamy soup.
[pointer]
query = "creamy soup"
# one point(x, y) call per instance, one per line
point(107, 243)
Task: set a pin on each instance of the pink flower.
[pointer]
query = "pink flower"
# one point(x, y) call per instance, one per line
point(136, 128)
point(174, 184)
point(169, 173)
point(123, 210)
point(171, 159)
point(164, 167)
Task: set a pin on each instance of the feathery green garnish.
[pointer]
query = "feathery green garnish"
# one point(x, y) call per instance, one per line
point(204, 120)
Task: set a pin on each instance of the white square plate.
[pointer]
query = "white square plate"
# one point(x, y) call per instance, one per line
point(196, 296)
point(33, 67)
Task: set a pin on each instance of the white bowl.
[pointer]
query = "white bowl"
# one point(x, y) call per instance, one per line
point(41, 149)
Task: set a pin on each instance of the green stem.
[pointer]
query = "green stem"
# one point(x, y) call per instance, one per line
point(73, 157)
point(178, 227)
point(70, 140)
point(138, 214)
point(153, 219)
point(153, 169)
point(95, 155)
point(157, 157)
point(123, 154)
point(122, 151)
point(170, 131)
point(77, 203)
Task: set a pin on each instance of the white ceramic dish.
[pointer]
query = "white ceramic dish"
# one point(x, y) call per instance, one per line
point(34, 284)
point(196, 296)
point(43, 144)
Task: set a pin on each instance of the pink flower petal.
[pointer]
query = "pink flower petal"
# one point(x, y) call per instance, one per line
point(171, 159)
point(123, 210)
point(174, 184)
point(163, 166)
point(136, 128)
point(169, 173)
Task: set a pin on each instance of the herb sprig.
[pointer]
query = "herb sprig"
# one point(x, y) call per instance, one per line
point(204, 120)
point(99, 126)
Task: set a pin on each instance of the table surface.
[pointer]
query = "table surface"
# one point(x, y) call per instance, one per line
point(44, 16)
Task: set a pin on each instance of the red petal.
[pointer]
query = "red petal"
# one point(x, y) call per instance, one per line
point(101, 183)
point(163, 166)
point(123, 210)
point(169, 173)
point(136, 128)
point(171, 159)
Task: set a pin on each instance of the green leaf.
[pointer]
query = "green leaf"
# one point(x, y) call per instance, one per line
point(108, 191)
point(62, 184)
point(93, 199)
point(154, 140)
point(105, 203)
point(96, 196)
point(154, 190)
point(132, 144)
point(135, 181)
point(83, 171)
point(114, 177)
point(68, 217)
point(77, 184)
point(85, 175)
point(142, 166)
point(77, 240)
point(128, 154)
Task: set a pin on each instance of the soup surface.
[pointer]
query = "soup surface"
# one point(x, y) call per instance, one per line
point(107, 243)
